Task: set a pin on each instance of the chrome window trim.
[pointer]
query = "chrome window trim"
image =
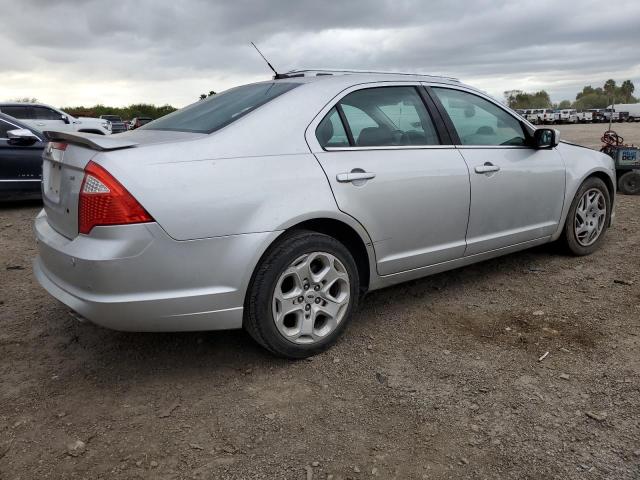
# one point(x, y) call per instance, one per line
point(21, 180)
point(388, 147)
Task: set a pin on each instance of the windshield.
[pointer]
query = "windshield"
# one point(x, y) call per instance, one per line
point(217, 111)
point(111, 118)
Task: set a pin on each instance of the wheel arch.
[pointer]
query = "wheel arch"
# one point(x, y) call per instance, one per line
point(354, 237)
point(595, 173)
point(607, 181)
point(346, 235)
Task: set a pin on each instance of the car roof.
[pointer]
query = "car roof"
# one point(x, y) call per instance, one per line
point(24, 104)
point(354, 77)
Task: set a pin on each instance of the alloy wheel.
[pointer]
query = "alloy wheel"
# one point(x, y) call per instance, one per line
point(311, 297)
point(591, 214)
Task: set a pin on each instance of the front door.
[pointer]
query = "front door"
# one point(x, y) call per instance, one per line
point(388, 169)
point(45, 118)
point(517, 191)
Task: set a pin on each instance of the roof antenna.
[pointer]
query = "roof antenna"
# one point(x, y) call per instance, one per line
point(277, 75)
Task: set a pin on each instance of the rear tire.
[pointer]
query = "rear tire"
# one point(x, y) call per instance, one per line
point(320, 298)
point(629, 183)
point(588, 218)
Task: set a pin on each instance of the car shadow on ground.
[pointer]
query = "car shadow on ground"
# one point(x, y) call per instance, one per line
point(196, 354)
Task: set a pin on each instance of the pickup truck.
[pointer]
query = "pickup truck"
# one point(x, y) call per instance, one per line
point(44, 117)
point(566, 116)
point(585, 117)
point(117, 124)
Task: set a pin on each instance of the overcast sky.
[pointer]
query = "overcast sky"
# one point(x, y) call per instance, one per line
point(116, 52)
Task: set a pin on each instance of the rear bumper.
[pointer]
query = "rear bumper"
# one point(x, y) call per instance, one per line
point(136, 278)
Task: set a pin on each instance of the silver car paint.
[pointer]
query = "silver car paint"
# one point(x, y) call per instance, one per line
point(221, 200)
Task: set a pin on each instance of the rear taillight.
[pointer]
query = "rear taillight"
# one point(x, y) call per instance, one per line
point(104, 201)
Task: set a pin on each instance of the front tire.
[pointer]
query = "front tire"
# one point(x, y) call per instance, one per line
point(588, 218)
point(302, 295)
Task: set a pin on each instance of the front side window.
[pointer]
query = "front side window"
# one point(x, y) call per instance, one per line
point(43, 113)
point(218, 111)
point(479, 121)
point(387, 116)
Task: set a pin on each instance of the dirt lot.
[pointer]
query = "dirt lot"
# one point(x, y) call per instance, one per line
point(437, 378)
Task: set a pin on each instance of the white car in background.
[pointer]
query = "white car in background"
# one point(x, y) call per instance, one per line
point(585, 117)
point(567, 116)
point(44, 117)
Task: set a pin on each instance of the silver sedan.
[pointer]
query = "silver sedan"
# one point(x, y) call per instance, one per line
point(276, 206)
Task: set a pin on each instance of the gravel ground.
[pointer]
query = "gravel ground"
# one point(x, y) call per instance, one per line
point(436, 378)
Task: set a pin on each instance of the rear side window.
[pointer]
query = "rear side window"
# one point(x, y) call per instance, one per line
point(18, 111)
point(388, 116)
point(330, 131)
point(218, 111)
point(478, 121)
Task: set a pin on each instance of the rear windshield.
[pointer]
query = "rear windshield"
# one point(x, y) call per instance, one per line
point(217, 111)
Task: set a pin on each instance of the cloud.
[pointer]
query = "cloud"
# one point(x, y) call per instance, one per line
point(88, 51)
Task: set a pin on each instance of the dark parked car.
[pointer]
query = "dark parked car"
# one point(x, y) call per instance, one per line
point(20, 159)
point(117, 124)
point(138, 122)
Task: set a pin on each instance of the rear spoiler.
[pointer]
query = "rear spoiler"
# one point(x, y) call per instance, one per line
point(101, 143)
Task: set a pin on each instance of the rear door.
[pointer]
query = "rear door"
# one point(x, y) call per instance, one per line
point(391, 167)
point(517, 191)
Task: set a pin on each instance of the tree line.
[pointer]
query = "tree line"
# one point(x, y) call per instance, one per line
point(589, 97)
point(126, 113)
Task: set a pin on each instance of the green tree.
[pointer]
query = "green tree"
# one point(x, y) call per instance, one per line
point(610, 87)
point(126, 113)
point(564, 104)
point(520, 99)
point(626, 91)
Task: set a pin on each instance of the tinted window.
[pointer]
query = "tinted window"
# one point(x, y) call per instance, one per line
point(330, 131)
point(4, 128)
point(388, 116)
point(478, 121)
point(358, 120)
point(220, 110)
point(19, 112)
point(43, 113)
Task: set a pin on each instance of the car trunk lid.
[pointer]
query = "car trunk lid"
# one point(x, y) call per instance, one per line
point(65, 158)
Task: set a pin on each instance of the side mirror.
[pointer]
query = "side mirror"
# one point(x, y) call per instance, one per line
point(65, 119)
point(546, 138)
point(22, 137)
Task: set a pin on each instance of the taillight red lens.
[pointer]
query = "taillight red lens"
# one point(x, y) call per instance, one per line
point(104, 201)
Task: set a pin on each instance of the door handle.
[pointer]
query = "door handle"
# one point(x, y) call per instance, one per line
point(488, 167)
point(353, 176)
